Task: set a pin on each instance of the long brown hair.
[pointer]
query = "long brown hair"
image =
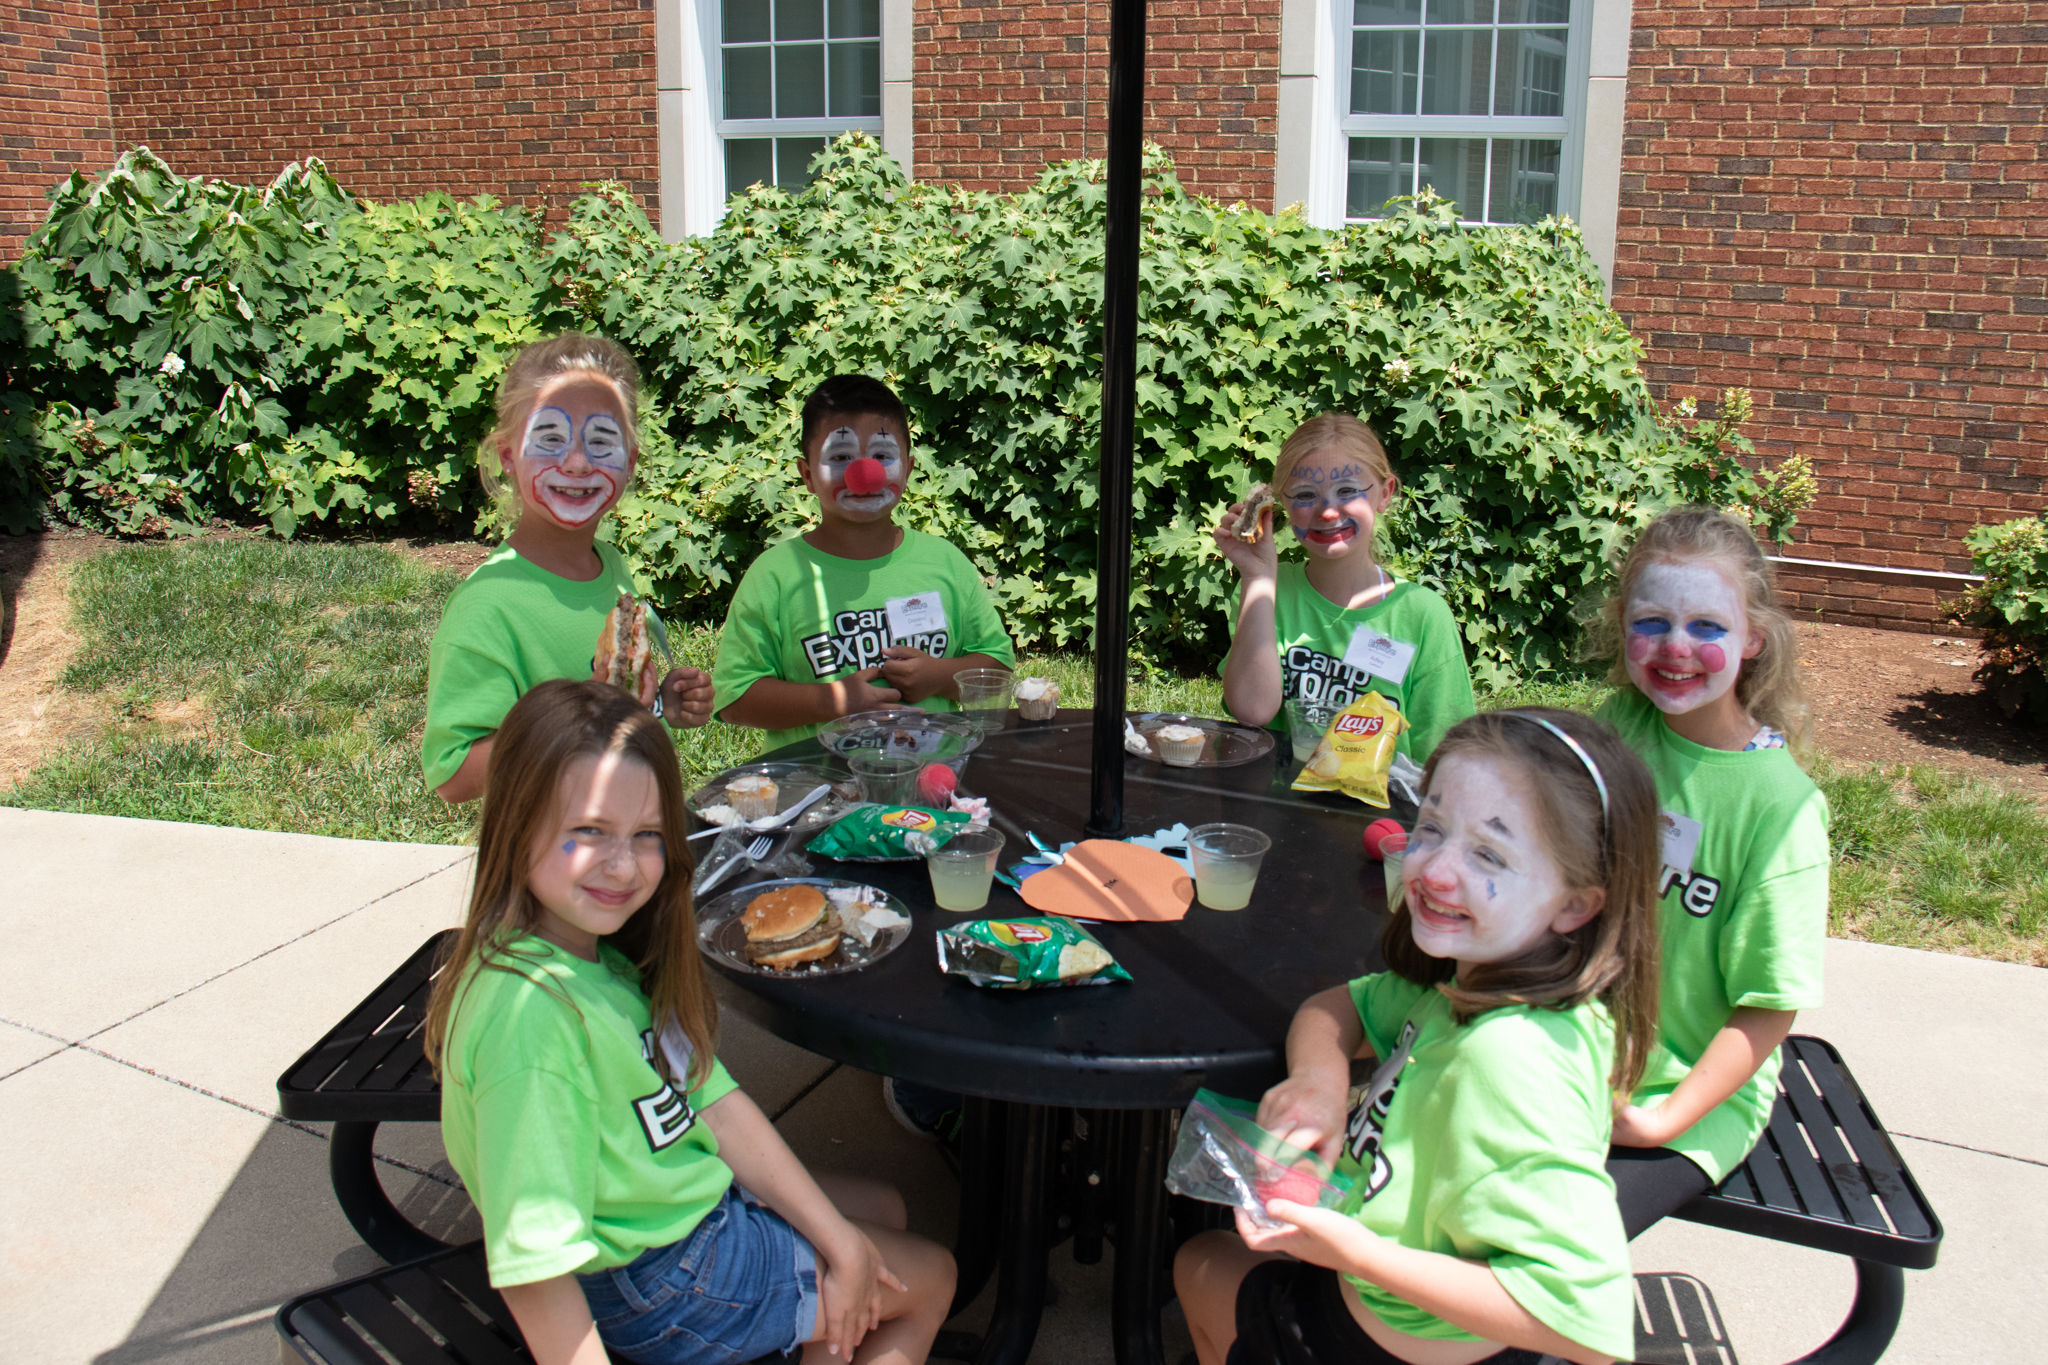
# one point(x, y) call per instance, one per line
point(550, 728)
point(1768, 686)
point(1613, 956)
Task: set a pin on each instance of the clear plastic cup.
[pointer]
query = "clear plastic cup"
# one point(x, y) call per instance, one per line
point(1393, 849)
point(1307, 722)
point(1226, 859)
point(963, 867)
point(985, 695)
point(887, 778)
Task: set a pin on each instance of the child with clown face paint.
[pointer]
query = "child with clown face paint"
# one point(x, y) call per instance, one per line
point(1338, 626)
point(563, 452)
point(1708, 669)
point(857, 612)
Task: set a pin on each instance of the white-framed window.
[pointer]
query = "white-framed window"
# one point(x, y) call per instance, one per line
point(791, 75)
point(1480, 100)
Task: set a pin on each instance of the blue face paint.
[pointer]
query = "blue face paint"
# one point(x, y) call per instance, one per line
point(1705, 630)
point(1489, 888)
point(569, 847)
point(1652, 626)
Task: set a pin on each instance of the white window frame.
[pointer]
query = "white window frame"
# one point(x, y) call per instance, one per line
point(1567, 128)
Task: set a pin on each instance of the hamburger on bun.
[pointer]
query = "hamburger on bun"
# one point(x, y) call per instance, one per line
point(788, 926)
point(1247, 526)
point(622, 649)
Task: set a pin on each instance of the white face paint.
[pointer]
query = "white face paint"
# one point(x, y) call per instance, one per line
point(1686, 635)
point(1333, 503)
point(572, 479)
point(860, 468)
point(1481, 884)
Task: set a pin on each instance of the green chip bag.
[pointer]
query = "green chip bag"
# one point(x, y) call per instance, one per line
point(873, 833)
point(1021, 954)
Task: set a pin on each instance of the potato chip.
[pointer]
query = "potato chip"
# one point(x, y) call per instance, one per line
point(1357, 751)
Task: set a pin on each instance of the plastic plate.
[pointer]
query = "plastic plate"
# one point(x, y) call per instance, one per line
point(1226, 743)
point(721, 935)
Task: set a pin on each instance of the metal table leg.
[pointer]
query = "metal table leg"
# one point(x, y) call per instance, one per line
point(1873, 1318)
point(352, 1166)
point(979, 1232)
point(1020, 1286)
point(1143, 1148)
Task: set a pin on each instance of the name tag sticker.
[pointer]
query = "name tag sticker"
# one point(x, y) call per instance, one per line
point(921, 614)
point(1380, 655)
point(1681, 840)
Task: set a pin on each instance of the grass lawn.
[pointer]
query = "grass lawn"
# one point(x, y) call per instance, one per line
point(283, 686)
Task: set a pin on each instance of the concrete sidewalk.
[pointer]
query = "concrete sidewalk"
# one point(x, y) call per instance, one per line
point(160, 976)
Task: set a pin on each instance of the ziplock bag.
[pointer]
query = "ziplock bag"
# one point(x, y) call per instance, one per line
point(1224, 1157)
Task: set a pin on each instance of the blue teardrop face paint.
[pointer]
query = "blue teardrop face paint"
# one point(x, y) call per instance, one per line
point(569, 847)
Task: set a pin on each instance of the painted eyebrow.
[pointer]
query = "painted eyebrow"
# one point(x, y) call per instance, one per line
point(1494, 822)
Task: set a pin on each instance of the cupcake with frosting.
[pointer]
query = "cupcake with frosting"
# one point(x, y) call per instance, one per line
point(1179, 745)
point(1037, 698)
point(752, 795)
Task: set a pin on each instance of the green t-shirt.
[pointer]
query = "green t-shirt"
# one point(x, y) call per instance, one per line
point(1744, 910)
point(1434, 686)
point(804, 617)
point(507, 628)
point(1488, 1141)
point(577, 1154)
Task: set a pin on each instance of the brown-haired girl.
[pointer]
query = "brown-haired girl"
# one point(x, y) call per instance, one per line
point(560, 457)
point(1521, 996)
point(1331, 629)
point(633, 1199)
point(1708, 671)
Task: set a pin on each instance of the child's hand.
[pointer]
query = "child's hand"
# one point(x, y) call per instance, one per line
point(1635, 1126)
point(1307, 1111)
point(686, 698)
point(850, 1291)
point(1321, 1237)
point(1261, 560)
point(916, 674)
point(858, 693)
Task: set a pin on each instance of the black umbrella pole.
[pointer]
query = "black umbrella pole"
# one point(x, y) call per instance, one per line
point(1119, 405)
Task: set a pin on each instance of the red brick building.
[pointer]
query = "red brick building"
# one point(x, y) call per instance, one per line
point(1837, 208)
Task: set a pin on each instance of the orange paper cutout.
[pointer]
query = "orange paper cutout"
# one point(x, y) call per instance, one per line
point(1106, 879)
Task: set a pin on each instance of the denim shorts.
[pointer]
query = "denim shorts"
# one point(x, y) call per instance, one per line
point(742, 1285)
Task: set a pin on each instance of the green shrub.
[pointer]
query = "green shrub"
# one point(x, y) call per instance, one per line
point(2011, 607)
point(339, 359)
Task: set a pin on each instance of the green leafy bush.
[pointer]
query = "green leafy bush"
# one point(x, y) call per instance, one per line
point(2011, 607)
point(345, 377)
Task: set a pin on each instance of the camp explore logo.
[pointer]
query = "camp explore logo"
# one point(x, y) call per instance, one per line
point(857, 639)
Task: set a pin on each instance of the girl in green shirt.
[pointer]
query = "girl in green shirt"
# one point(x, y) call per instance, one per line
point(633, 1199)
point(1708, 670)
point(1328, 631)
point(1479, 1225)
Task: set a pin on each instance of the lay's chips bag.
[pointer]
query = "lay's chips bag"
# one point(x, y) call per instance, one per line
point(1357, 751)
point(875, 833)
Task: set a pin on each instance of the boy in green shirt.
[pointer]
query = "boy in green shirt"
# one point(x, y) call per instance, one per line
point(857, 612)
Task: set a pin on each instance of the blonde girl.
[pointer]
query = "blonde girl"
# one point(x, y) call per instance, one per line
point(1708, 671)
point(1327, 631)
point(633, 1199)
point(1520, 997)
point(561, 456)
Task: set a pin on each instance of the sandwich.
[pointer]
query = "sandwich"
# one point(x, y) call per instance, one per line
point(788, 926)
point(1247, 527)
point(622, 648)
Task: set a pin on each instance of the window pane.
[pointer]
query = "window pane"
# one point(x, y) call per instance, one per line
point(1386, 11)
point(856, 18)
point(856, 80)
point(1380, 168)
point(1460, 11)
point(744, 21)
point(747, 89)
point(1457, 71)
point(1531, 72)
point(1535, 11)
point(1455, 167)
point(1383, 72)
point(793, 160)
point(748, 161)
point(798, 19)
point(1524, 180)
point(800, 81)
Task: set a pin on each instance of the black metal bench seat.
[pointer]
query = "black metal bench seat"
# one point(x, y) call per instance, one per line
point(1825, 1175)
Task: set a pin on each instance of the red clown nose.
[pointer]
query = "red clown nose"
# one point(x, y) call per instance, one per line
point(865, 476)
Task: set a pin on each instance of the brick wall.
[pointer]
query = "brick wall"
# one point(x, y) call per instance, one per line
point(1841, 209)
point(53, 103)
point(1000, 90)
point(516, 99)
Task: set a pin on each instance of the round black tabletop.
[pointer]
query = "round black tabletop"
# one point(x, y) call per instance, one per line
point(1210, 997)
